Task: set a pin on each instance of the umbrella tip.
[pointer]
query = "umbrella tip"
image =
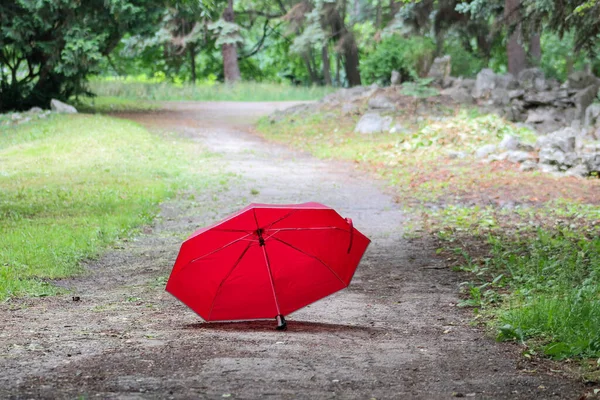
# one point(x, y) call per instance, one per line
point(281, 324)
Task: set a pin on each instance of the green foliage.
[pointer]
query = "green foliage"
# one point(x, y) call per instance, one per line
point(411, 57)
point(71, 185)
point(464, 63)
point(559, 55)
point(49, 47)
point(419, 88)
point(226, 32)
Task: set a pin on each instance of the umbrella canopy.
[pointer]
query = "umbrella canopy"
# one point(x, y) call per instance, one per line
point(266, 260)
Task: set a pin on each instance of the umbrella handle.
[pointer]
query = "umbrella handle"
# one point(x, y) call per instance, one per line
point(349, 221)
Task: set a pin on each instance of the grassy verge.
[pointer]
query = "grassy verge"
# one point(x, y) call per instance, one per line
point(71, 185)
point(113, 104)
point(529, 241)
point(244, 91)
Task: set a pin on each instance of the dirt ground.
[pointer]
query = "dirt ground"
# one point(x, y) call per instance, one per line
point(395, 333)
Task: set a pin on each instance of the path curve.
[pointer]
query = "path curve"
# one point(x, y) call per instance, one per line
point(395, 333)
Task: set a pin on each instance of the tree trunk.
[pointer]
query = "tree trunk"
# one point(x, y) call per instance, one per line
point(378, 15)
point(351, 60)
point(311, 72)
point(231, 68)
point(326, 65)
point(535, 49)
point(348, 44)
point(192, 51)
point(338, 67)
point(517, 57)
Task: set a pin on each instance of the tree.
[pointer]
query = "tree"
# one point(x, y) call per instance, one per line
point(49, 47)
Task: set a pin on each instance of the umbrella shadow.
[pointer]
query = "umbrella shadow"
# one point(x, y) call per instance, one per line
point(292, 327)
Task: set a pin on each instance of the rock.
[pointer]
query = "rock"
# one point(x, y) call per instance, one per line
point(350, 94)
point(396, 78)
point(485, 150)
point(381, 102)
point(24, 120)
point(484, 83)
point(518, 156)
point(516, 94)
point(468, 84)
point(16, 117)
point(551, 156)
point(510, 142)
point(544, 119)
point(592, 116)
point(458, 94)
point(583, 99)
point(528, 76)
point(592, 162)
point(579, 170)
point(500, 97)
point(448, 82)
point(540, 84)
point(373, 123)
point(564, 140)
point(580, 80)
point(548, 168)
point(349, 109)
point(506, 81)
point(63, 108)
point(456, 154)
point(397, 128)
point(440, 69)
point(35, 110)
point(528, 165)
point(545, 98)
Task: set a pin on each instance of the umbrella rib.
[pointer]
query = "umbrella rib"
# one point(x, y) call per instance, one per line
point(268, 264)
point(282, 218)
point(226, 277)
point(219, 249)
point(319, 228)
point(312, 256)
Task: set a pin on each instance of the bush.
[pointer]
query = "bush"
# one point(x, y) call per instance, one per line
point(411, 57)
point(464, 63)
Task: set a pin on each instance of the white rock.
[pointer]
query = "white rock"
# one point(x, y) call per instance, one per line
point(60, 107)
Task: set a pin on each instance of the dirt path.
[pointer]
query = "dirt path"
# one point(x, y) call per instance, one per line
point(394, 334)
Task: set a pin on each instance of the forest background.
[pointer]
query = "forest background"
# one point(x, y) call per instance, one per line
point(53, 48)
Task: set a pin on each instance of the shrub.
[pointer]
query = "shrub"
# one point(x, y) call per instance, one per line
point(411, 57)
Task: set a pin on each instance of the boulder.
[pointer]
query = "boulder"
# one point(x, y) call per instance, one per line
point(485, 150)
point(35, 110)
point(583, 99)
point(517, 156)
point(580, 80)
point(440, 69)
point(484, 84)
point(592, 116)
point(579, 170)
point(371, 123)
point(63, 108)
point(506, 81)
point(528, 76)
point(544, 119)
point(564, 140)
point(396, 78)
point(381, 102)
point(349, 109)
point(458, 94)
point(500, 97)
point(510, 142)
point(528, 165)
point(551, 156)
point(516, 94)
point(468, 84)
point(592, 161)
point(545, 98)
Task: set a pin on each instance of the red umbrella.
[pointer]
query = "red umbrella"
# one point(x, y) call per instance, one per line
point(266, 261)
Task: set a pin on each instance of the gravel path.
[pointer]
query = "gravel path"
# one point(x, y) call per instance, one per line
point(395, 333)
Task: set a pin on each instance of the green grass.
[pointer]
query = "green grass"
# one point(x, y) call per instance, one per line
point(244, 91)
point(71, 185)
point(113, 104)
